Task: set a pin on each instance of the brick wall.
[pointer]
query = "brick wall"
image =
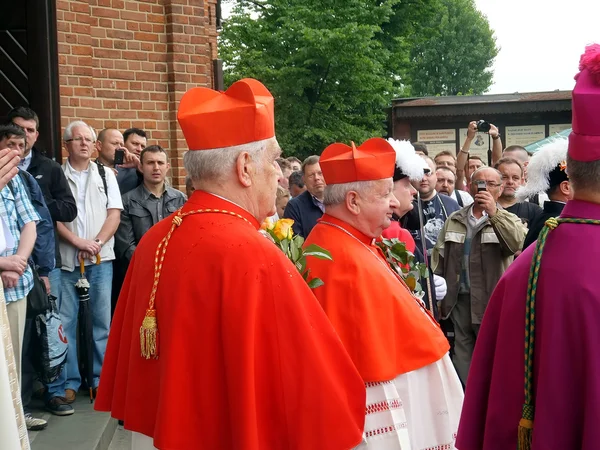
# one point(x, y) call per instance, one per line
point(127, 63)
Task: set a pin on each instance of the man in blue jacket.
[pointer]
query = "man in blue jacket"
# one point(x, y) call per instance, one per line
point(308, 207)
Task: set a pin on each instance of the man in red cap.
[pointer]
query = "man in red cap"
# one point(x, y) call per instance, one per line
point(546, 394)
point(414, 396)
point(217, 342)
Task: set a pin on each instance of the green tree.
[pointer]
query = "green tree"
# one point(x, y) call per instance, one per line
point(333, 67)
point(324, 62)
point(454, 53)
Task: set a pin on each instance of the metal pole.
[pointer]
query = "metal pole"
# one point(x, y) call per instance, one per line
point(424, 249)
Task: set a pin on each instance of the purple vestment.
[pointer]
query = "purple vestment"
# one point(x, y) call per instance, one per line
point(567, 348)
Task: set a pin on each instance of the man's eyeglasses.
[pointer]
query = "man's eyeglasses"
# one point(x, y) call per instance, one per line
point(489, 184)
point(80, 140)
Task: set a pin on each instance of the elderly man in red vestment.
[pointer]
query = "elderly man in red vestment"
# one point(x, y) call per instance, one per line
point(546, 394)
point(414, 396)
point(217, 342)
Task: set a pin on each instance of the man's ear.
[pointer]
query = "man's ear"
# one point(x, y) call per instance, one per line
point(353, 202)
point(565, 188)
point(244, 167)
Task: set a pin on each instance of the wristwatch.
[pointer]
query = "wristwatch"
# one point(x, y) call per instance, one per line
point(99, 242)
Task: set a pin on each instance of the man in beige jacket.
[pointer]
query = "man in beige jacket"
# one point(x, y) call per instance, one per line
point(474, 248)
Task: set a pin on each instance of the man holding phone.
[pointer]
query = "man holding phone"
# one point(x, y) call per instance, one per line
point(113, 154)
point(475, 247)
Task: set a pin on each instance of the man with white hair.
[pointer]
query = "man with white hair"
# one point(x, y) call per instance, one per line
point(88, 240)
point(208, 302)
point(414, 397)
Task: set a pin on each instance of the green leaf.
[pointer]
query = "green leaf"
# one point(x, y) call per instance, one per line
point(298, 240)
point(301, 264)
point(295, 251)
point(285, 246)
point(315, 283)
point(317, 252)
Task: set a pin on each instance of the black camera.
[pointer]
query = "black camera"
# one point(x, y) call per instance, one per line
point(483, 126)
point(481, 185)
point(119, 156)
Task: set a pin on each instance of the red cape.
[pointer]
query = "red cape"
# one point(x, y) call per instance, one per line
point(566, 362)
point(383, 327)
point(247, 358)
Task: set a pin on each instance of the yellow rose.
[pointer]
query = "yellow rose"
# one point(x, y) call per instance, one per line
point(283, 229)
point(267, 224)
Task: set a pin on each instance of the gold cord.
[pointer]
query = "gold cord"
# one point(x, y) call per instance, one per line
point(149, 328)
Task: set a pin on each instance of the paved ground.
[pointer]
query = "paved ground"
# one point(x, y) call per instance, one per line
point(85, 430)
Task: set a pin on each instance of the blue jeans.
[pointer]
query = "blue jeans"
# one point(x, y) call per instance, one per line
point(100, 278)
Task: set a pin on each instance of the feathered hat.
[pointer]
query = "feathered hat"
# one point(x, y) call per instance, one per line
point(408, 163)
point(546, 169)
point(584, 141)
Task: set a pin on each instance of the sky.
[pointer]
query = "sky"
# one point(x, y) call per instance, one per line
point(540, 41)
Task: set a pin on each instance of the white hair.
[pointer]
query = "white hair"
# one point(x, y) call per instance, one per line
point(216, 163)
point(68, 134)
point(335, 194)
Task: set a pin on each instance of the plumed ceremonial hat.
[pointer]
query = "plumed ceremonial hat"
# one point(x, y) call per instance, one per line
point(373, 160)
point(546, 169)
point(408, 163)
point(584, 140)
point(242, 114)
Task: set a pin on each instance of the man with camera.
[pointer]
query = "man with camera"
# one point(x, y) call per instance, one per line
point(474, 248)
point(113, 154)
point(481, 126)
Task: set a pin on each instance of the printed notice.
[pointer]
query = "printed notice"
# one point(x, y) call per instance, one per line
point(438, 140)
point(524, 135)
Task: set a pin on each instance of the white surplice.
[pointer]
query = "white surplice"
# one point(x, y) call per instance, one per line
point(418, 410)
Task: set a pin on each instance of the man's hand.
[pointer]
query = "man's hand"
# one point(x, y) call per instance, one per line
point(9, 160)
point(131, 161)
point(10, 278)
point(493, 131)
point(87, 245)
point(46, 281)
point(472, 130)
point(487, 202)
point(13, 263)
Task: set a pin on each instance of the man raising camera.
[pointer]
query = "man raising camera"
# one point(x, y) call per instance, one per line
point(473, 250)
point(462, 169)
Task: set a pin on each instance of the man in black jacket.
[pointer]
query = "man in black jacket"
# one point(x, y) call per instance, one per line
point(308, 207)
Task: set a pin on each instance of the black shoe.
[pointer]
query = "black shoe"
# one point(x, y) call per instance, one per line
point(59, 406)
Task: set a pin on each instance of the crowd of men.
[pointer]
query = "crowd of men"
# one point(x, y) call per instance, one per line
point(359, 362)
point(466, 232)
point(90, 212)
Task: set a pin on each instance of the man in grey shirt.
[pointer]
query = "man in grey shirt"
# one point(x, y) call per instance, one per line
point(143, 207)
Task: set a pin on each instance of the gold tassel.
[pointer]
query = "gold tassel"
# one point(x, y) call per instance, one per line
point(149, 335)
point(525, 434)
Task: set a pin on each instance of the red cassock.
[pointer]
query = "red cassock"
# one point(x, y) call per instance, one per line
point(247, 358)
point(383, 328)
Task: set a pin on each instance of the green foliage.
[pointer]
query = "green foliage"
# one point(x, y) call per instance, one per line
point(323, 62)
point(281, 234)
point(333, 67)
point(455, 52)
point(404, 263)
